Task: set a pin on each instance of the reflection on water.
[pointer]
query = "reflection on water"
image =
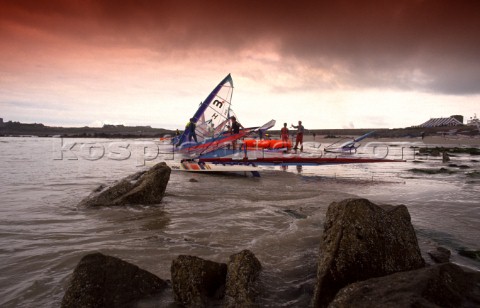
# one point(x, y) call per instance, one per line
point(278, 216)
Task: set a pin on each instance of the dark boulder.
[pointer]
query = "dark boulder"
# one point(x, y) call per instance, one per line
point(362, 240)
point(440, 255)
point(196, 281)
point(144, 187)
point(242, 279)
point(105, 281)
point(441, 285)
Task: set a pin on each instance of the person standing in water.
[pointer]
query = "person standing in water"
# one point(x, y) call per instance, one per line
point(284, 134)
point(190, 128)
point(299, 138)
point(235, 129)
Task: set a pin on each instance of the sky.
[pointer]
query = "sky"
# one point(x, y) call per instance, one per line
point(330, 64)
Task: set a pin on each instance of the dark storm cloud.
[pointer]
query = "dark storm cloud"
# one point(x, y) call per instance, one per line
point(429, 45)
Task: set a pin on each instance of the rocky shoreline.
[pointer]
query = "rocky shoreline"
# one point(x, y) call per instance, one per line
point(17, 129)
point(369, 257)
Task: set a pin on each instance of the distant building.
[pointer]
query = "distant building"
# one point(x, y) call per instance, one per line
point(458, 117)
point(438, 122)
point(474, 121)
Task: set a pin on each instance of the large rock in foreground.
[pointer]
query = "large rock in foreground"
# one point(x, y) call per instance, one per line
point(444, 285)
point(196, 281)
point(144, 187)
point(242, 279)
point(105, 281)
point(362, 240)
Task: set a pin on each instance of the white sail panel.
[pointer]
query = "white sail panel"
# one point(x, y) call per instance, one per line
point(215, 116)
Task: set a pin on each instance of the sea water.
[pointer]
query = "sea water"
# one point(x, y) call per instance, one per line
point(279, 216)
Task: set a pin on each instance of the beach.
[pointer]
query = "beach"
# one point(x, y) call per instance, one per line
point(453, 141)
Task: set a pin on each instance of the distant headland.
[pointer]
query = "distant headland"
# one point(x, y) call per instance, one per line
point(17, 129)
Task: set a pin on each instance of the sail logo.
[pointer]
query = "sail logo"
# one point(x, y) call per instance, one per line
point(218, 103)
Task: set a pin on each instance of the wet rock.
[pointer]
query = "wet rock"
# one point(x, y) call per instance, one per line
point(242, 279)
point(100, 188)
point(440, 255)
point(362, 240)
point(295, 214)
point(196, 281)
point(441, 285)
point(473, 174)
point(445, 157)
point(459, 166)
point(105, 281)
point(438, 150)
point(144, 187)
point(472, 254)
point(432, 171)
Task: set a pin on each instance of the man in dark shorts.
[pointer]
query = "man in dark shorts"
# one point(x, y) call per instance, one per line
point(299, 138)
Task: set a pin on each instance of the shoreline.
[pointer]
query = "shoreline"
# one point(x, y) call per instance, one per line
point(427, 141)
point(16, 129)
point(452, 141)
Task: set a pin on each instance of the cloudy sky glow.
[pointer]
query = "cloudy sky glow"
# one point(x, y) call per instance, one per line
point(331, 64)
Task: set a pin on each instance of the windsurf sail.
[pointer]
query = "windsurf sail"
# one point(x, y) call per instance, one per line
point(212, 121)
point(348, 146)
point(262, 129)
point(213, 115)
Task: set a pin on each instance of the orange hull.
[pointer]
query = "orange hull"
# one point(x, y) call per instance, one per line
point(267, 144)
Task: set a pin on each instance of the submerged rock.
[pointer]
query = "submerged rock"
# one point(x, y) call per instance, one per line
point(440, 255)
point(144, 187)
point(362, 240)
point(473, 174)
point(105, 281)
point(472, 254)
point(241, 287)
point(295, 214)
point(459, 166)
point(432, 171)
point(195, 281)
point(437, 150)
point(442, 285)
point(445, 157)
